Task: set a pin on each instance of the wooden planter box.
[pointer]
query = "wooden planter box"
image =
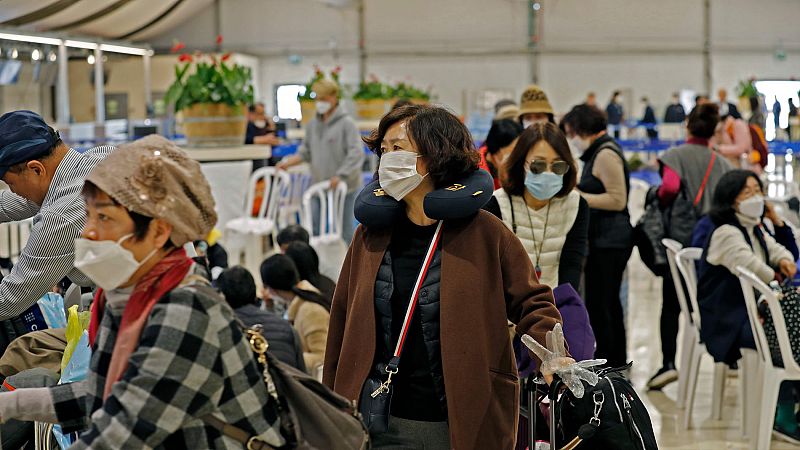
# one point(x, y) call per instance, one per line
point(214, 124)
point(308, 109)
point(371, 109)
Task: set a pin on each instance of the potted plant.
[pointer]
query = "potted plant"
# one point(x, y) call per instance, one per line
point(211, 98)
point(408, 91)
point(372, 99)
point(746, 89)
point(306, 99)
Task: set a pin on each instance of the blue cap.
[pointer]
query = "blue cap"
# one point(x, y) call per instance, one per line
point(24, 136)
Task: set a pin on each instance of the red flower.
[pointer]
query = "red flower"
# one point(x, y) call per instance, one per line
point(185, 58)
point(337, 69)
point(177, 46)
point(226, 56)
point(219, 39)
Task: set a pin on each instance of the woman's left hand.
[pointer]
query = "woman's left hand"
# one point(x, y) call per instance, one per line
point(788, 268)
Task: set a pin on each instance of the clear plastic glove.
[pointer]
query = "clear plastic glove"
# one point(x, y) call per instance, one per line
point(555, 361)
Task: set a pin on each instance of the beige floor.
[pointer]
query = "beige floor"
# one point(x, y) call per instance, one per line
point(644, 307)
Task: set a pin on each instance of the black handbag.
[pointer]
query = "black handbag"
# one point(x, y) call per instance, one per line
point(375, 404)
point(789, 301)
point(610, 415)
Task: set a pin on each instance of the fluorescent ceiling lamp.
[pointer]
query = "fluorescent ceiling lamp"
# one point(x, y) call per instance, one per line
point(80, 44)
point(123, 49)
point(31, 39)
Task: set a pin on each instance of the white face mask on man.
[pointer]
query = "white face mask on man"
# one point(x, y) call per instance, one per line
point(323, 107)
point(397, 172)
point(107, 263)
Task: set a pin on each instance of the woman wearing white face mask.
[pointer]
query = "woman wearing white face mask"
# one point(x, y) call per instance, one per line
point(604, 183)
point(738, 239)
point(167, 350)
point(454, 379)
point(305, 308)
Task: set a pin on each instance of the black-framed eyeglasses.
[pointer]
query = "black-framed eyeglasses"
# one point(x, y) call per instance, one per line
point(538, 166)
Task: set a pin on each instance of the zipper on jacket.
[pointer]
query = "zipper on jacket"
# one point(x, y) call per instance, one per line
point(626, 404)
point(614, 396)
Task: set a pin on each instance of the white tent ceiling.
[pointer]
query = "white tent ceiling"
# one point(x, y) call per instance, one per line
point(112, 19)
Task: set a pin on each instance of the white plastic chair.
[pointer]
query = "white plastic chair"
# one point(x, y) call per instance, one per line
point(13, 237)
point(685, 261)
point(245, 234)
point(689, 339)
point(637, 199)
point(290, 210)
point(771, 376)
point(331, 212)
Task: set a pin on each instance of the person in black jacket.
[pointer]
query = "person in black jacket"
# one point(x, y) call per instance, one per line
point(675, 112)
point(307, 262)
point(239, 289)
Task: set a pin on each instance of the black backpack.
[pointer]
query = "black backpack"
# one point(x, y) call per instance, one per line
point(609, 416)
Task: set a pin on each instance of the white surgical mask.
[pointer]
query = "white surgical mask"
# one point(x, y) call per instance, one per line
point(323, 107)
point(527, 123)
point(107, 263)
point(397, 172)
point(753, 207)
point(578, 144)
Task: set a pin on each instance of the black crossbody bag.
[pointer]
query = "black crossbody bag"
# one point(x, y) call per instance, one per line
point(376, 394)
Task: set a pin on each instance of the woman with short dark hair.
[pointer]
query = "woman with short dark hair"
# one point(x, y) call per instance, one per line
point(605, 184)
point(538, 202)
point(424, 241)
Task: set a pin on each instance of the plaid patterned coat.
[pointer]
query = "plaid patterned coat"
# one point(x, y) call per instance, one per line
point(192, 360)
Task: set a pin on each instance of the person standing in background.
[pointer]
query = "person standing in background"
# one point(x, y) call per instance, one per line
point(615, 113)
point(649, 119)
point(534, 107)
point(260, 130)
point(694, 170)
point(732, 139)
point(675, 112)
point(333, 148)
point(604, 184)
point(792, 115)
point(591, 99)
point(726, 108)
point(776, 116)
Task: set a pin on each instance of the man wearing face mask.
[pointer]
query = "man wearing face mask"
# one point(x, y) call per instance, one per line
point(333, 148)
point(534, 107)
point(45, 178)
point(260, 130)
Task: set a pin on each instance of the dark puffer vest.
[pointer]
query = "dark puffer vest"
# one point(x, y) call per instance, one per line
point(427, 308)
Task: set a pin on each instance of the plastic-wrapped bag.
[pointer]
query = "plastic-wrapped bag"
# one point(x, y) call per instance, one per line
point(77, 323)
point(75, 364)
point(47, 312)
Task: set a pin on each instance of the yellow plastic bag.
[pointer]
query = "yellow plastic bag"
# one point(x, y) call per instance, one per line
point(77, 323)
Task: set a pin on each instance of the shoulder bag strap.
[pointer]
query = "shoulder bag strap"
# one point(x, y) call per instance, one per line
point(705, 179)
point(412, 304)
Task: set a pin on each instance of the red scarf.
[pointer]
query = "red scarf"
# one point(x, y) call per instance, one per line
point(161, 279)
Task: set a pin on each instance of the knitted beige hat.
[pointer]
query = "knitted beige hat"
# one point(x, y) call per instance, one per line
point(325, 87)
point(534, 100)
point(507, 112)
point(155, 178)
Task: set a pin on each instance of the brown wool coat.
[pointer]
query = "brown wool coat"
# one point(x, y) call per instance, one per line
point(487, 277)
